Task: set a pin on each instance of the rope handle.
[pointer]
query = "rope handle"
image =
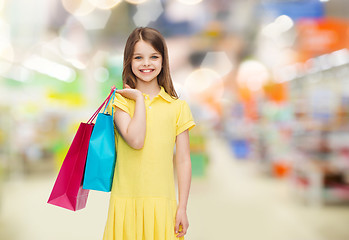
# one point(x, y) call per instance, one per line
point(112, 99)
point(113, 88)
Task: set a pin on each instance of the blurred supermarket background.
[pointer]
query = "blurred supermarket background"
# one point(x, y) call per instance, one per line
point(268, 84)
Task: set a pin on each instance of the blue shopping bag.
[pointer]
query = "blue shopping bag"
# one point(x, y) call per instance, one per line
point(101, 155)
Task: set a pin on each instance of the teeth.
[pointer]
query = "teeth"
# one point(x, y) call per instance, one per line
point(146, 71)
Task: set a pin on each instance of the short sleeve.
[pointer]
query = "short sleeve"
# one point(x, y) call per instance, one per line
point(121, 102)
point(185, 119)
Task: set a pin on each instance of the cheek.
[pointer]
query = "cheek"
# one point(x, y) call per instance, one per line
point(160, 64)
point(133, 66)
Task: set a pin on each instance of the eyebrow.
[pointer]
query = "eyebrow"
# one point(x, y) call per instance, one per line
point(154, 53)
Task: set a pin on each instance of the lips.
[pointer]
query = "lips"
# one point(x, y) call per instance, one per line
point(146, 70)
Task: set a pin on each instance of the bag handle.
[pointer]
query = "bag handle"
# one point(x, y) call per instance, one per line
point(112, 99)
point(100, 107)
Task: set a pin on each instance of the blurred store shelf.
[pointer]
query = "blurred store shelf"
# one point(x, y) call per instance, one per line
point(270, 76)
point(233, 201)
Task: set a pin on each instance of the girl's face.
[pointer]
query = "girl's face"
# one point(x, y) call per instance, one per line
point(146, 62)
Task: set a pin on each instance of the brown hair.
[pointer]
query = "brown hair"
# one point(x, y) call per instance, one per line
point(154, 38)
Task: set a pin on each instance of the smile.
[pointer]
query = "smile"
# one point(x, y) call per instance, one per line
point(146, 70)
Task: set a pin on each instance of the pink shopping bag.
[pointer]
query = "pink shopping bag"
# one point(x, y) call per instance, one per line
point(67, 191)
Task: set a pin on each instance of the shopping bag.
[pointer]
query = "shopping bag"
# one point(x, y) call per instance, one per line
point(67, 191)
point(101, 156)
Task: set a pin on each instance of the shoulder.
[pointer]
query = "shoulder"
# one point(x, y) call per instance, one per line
point(178, 102)
point(182, 103)
point(180, 106)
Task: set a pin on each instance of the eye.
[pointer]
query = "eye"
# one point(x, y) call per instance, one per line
point(138, 57)
point(154, 57)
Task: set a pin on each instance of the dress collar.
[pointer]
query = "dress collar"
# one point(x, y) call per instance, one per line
point(163, 94)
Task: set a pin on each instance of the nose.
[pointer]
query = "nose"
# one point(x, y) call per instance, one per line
point(146, 62)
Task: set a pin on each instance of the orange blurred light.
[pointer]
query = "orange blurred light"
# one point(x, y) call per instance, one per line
point(206, 86)
point(321, 36)
point(276, 92)
point(281, 169)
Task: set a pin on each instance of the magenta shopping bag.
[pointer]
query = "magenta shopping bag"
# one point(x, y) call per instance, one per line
point(67, 191)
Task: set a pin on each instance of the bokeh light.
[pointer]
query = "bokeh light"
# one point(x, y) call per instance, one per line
point(138, 1)
point(95, 20)
point(217, 61)
point(50, 68)
point(178, 12)
point(189, 2)
point(204, 83)
point(67, 48)
point(105, 4)
point(101, 74)
point(78, 7)
point(253, 75)
point(73, 40)
point(201, 79)
point(6, 48)
point(142, 16)
point(6, 56)
point(281, 24)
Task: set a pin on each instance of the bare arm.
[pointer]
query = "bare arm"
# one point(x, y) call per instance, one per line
point(183, 165)
point(132, 129)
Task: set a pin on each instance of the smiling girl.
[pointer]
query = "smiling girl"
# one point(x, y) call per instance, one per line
point(151, 121)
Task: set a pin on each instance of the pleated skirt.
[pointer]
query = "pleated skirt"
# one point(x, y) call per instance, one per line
point(148, 218)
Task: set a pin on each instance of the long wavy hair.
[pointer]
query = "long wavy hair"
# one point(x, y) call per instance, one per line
point(157, 41)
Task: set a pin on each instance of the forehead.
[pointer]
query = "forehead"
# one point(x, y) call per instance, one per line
point(143, 47)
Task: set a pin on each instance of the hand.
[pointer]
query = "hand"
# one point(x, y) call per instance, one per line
point(182, 223)
point(130, 93)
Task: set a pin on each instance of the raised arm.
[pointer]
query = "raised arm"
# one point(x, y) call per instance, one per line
point(132, 129)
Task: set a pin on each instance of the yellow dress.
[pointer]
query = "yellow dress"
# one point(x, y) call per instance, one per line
point(143, 200)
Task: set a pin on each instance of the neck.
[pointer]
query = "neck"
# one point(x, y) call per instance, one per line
point(151, 88)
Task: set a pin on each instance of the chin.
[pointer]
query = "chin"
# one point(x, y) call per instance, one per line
point(147, 79)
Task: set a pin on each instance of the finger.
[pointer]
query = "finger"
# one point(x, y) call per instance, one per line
point(119, 91)
point(181, 234)
point(122, 92)
point(182, 230)
point(127, 86)
point(177, 227)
